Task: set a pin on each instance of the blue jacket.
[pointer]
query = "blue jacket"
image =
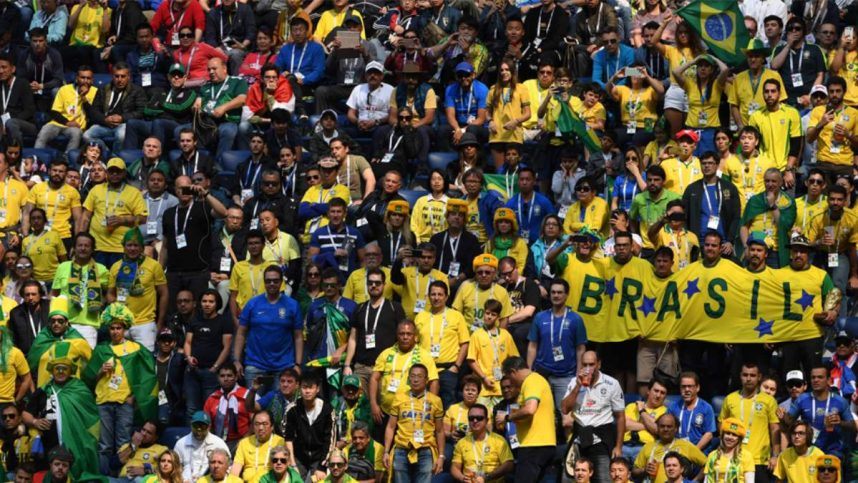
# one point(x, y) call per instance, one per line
point(158, 68)
point(605, 65)
point(488, 203)
point(531, 217)
point(312, 66)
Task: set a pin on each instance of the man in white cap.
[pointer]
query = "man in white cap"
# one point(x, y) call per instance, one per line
point(369, 103)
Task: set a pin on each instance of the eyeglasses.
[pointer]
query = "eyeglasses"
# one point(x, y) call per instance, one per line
point(329, 285)
point(281, 461)
point(507, 274)
point(313, 176)
point(10, 416)
point(339, 464)
point(24, 266)
point(816, 181)
point(270, 183)
point(583, 189)
point(374, 283)
point(476, 419)
point(313, 274)
point(611, 41)
point(272, 280)
point(827, 469)
point(186, 35)
point(795, 28)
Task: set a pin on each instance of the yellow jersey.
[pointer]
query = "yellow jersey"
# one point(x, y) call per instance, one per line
point(318, 195)
point(58, 205)
point(114, 386)
point(682, 244)
point(830, 148)
point(69, 105)
point(845, 230)
point(16, 366)
point(415, 292)
point(483, 456)
point(282, 250)
point(756, 413)
point(45, 249)
point(253, 456)
point(142, 456)
point(747, 174)
point(470, 301)
point(393, 366)
point(746, 92)
point(488, 348)
point(638, 107)
point(797, 468)
point(777, 128)
point(141, 296)
point(656, 451)
point(429, 216)
point(680, 174)
point(103, 202)
point(13, 201)
point(539, 429)
point(806, 211)
point(417, 417)
point(442, 334)
point(595, 216)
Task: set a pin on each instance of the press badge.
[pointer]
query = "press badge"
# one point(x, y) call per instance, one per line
point(418, 436)
point(388, 157)
point(181, 241)
point(122, 294)
point(713, 222)
point(151, 227)
point(796, 80)
point(225, 264)
point(370, 341)
point(833, 260)
point(558, 353)
point(146, 79)
point(419, 305)
point(393, 385)
point(453, 270)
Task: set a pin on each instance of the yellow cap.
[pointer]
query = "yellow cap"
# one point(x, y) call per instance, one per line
point(828, 460)
point(508, 215)
point(116, 163)
point(398, 206)
point(485, 259)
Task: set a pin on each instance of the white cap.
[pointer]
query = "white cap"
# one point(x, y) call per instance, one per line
point(819, 88)
point(795, 376)
point(374, 65)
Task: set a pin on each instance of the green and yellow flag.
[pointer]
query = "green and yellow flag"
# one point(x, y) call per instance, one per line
point(78, 424)
point(139, 366)
point(720, 25)
point(338, 335)
point(47, 346)
point(568, 123)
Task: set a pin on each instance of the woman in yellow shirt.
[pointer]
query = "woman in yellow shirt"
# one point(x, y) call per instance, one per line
point(508, 105)
point(660, 148)
point(638, 103)
point(89, 23)
point(505, 241)
point(704, 98)
point(724, 148)
point(687, 47)
point(729, 464)
point(430, 211)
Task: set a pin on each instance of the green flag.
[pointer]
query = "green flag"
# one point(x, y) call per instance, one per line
point(720, 25)
point(759, 204)
point(139, 366)
point(47, 346)
point(78, 423)
point(569, 123)
point(504, 185)
point(338, 335)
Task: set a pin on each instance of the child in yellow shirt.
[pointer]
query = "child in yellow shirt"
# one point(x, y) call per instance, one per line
point(488, 348)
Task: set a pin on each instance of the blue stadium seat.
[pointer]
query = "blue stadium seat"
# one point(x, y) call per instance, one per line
point(172, 435)
point(230, 160)
point(672, 399)
point(45, 155)
point(101, 80)
point(412, 195)
point(440, 160)
point(130, 155)
point(72, 156)
point(717, 402)
point(631, 397)
point(306, 157)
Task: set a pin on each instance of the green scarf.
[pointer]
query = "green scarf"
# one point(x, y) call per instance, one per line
point(733, 468)
point(5, 348)
point(85, 289)
point(139, 366)
point(78, 424)
point(292, 475)
point(501, 246)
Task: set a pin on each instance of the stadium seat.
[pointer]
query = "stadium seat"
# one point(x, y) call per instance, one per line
point(230, 160)
point(172, 435)
point(45, 155)
point(101, 80)
point(440, 160)
point(130, 155)
point(717, 402)
point(631, 397)
point(412, 195)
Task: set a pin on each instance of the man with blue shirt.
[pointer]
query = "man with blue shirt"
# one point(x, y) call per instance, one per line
point(302, 58)
point(529, 206)
point(337, 245)
point(270, 332)
point(695, 416)
point(612, 57)
point(558, 339)
point(465, 107)
point(828, 413)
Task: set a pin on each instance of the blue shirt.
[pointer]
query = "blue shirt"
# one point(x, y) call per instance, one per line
point(466, 101)
point(625, 189)
point(530, 214)
point(605, 65)
point(308, 60)
point(548, 332)
point(693, 423)
point(270, 342)
point(812, 410)
point(316, 315)
point(711, 194)
point(327, 240)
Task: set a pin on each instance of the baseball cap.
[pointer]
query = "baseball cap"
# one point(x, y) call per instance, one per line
point(177, 67)
point(201, 417)
point(800, 241)
point(351, 380)
point(165, 334)
point(819, 89)
point(61, 453)
point(374, 65)
point(759, 238)
point(329, 112)
point(116, 163)
point(464, 67)
point(795, 375)
point(688, 133)
point(843, 335)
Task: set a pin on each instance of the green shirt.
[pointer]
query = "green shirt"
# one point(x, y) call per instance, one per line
point(71, 288)
point(223, 92)
point(647, 211)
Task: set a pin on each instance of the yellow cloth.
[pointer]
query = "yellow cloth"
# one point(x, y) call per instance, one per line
point(828, 149)
point(428, 217)
point(16, 366)
point(473, 224)
point(677, 57)
point(442, 334)
point(416, 288)
point(482, 457)
point(229, 479)
point(849, 72)
point(317, 194)
point(576, 274)
point(679, 174)
point(88, 30)
point(356, 290)
point(633, 414)
point(643, 103)
point(470, 301)
point(537, 95)
point(253, 456)
point(510, 106)
point(58, 205)
point(703, 112)
point(142, 456)
point(330, 20)
point(591, 115)
point(45, 250)
point(68, 104)
point(797, 469)
point(748, 95)
point(777, 128)
point(806, 211)
point(416, 413)
point(282, 250)
point(596, 216)
point(102, 202)
point(681, 243)
point(845, 230)
point(247, 281)
point(457, 417)
point(654, 151)
point(150, 274)
point(654, 450)
point(14, 198)
point(114, 387)
point(722, 465)
point(393, 366)
point(539, 429)
point(747, 175)
point(79, 352)
point(488, 349)
point(23, 446)
point(756, 414)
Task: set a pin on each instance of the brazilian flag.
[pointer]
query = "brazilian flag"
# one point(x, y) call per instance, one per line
point(139, 366)
point(78, 424)
point(721, 25)
point(338, 330)
point(570, 124)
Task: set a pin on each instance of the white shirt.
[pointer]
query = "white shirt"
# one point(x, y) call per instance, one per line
point(195, 454)
point(596, 404)
point(760, 9)
point(371, 106)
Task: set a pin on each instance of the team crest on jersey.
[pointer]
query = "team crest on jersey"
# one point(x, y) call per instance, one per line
point(758, 406)
point(282, 313)
point(698, 420)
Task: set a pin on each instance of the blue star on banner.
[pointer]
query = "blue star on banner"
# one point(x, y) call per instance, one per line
point(806, 300)
point(610, 287)
point(764, 328)
point(691, 287)
point(647, 306)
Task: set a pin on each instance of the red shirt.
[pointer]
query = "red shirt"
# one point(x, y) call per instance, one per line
point(197, 57)
point(165, 21)
point(231, 413)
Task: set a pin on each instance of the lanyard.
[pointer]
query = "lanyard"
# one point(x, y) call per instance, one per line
point(521, 223)
point(197, 163)
point(119, 23)
point(177, 23)
point(477, 294)
point(248, 182)
point(509, 184)
point(187, 217)
point(366, 318)
point(550, 18)
point(560, 335)
point(33, 324)
point(432, 341)
point(493, 339)
point(466, 106)
point(56, 204)
point(477, 460)
point(292, 68)
point(598, 21)
point(253, 284)
point(111, 104)
point(8, 94)
point(221, 23)
point(107, 209)
point(742, 409)
point(417, 285)
point(390, 146)
point(215, 97)
point(755, 86)
point(414, 414)
point(395, 248)
point(709, 200)
point(749, 183)
point(268, 452)
point(276, 243)
point(454, 248)
point(690, 419)
point(675, 237)
point(800, 59)
point(190, 59)
point(813, 408)
point(623, 192)
point(158, 211)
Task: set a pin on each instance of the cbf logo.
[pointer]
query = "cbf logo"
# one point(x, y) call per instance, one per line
point(282, 313)
point(758, 407)
point(698, 420)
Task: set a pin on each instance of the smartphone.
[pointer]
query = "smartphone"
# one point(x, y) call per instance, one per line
point(409, 43)
point(186, 191)
point(633, 72)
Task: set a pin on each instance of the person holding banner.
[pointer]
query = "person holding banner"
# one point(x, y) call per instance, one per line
point(773, 212)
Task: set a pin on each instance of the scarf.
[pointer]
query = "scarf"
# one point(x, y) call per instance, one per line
point(278, 408)
point(128, 279)
point(733, 468)
point(5, 348)
point(227, 413)
point(501, 246)
point(84, 288)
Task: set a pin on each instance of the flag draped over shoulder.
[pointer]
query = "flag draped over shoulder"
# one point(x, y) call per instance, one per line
point(47, 346)
point(338, 335)
point(720, 25)
point(758, 205)
point(502, 184)
point(724, 303)
point(78, 424)
point(140, 368)
point(568, 123)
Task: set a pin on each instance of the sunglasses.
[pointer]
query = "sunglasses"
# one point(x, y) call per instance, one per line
point(313, 177)
point(816, 181)
point(583, 189)
point(272, 280)
point(375, 283)
point(404, 118)
point(328, 285)
point(795, 28)
point(476, 419)
point(281, 461)
point(611, 41)
point(23, 266)
point(483, 272)
point(794, 383)
point(270, 183)
point(546, 72)
point(10, 416)
point(827, 469)
point(463, 75)
point(337, 465)
point(186, 36)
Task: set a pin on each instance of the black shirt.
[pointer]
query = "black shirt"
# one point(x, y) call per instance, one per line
point(207, 342)
point(526, 292)
point(467, 248)
point(196, 229)
point(384, 330)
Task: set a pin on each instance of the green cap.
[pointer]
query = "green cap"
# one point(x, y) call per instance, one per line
point(351, 380)
point(756, 46)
